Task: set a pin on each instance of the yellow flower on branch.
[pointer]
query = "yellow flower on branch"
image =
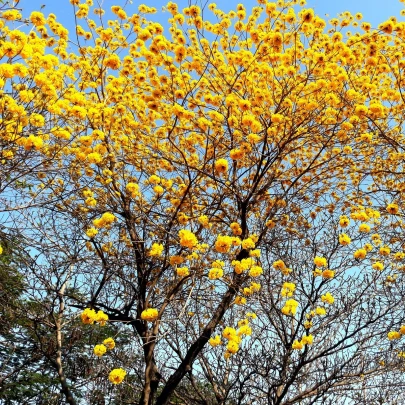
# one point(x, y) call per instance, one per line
point(117, 375)
point(99, 350)
point(149, 314)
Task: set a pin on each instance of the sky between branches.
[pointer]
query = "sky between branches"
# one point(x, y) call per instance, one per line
point(374, 11)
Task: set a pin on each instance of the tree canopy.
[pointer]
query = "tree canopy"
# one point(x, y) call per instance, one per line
point(206, 211)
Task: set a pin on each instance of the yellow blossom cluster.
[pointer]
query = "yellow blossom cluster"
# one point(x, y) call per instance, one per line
point(305, 340)
point(182, 271)
point(156, 249)
point(106, 220)
point(100, 350)
point(117, 375)
point(288, 289)
point(149, 314)
point(233, 336)
point(89, 316)
point(290, 307)
point(393, 335)
point(187, 239)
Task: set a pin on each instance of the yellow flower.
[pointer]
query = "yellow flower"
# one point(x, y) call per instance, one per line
point(277, 118)
point(232, 347)
point(344, 221)
point(117, 375)
point(244, 330)
point(297, 345)
point(149, 314)
point(221, 165)
point(377, 266)
point(328, 273)
point(159, 190)
point(247, 291)
point(229, 333)
point(182, 271)
point(386, 26)
point(176, 260)
point(11, 15)
point(156, 249)
point(215, 273)
point(187, 238)
point(360, 254)
point(320, 261)
point(101, 318)
point(133, 189)
point(290, 307)
point(392, 208)
point(254, 253)
point(33, 142)
point(320, 311)
point(287, 290)
point(344, 239)
point(368, 246)
point(94, 158)
point(236, 154)
point(154, 179)
point(248, 244)
point(1, 250)
point(215, 341)
point(204, 221)
point(255, 271)
point(223, 243)
point(399, 255)
point(328, 298)
point(91, 202)
point(364, 228)
point(109, 343)
point(106, 219)
point(393, 335)
point(360, 110)
point(385, 251)
point(307, 339)
point(240, 300)
point(37, 18)
point(99, 350)
point(317, 272)
point(91, 232)
point(88, 316)
point(112, 61)
point(279, 265)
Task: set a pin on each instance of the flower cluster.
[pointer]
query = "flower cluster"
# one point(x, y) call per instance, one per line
point(187, 239)
point(89, 316)
point(100, 350)
point(305, 340)
point(117, 375)
point(149, 314)
point(393, 335)
point(290, 307)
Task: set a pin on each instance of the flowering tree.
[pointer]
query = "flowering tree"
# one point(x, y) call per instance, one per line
point(167, 176)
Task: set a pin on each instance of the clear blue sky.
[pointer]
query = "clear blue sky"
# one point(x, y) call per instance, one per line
point(374, 11)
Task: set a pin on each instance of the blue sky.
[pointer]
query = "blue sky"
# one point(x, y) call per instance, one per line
point(374, 11)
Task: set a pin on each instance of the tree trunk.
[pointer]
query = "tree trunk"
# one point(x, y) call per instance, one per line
point(152, 375)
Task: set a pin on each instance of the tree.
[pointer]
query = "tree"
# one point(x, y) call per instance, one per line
point(232, 178)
